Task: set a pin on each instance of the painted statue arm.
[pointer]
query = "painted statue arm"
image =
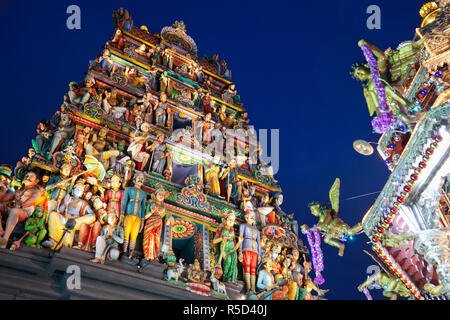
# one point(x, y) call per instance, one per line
point(118, 237)
point(395, 96)
point(370, 280)
point(33, 197)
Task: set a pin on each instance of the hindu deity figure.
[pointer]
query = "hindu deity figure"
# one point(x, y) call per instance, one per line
point(113, 197)
point(390, 284)
point(82, 139)
point(99, 207)
point(249, 249)
point(89, 232)
point(156, 212)
point(35, 230)
point(229, 94)
point(138, 147)
point(26, 200)
point(97, 147)
point(6, 192)
point(118, 40)
point(232, 183)
point(226, 254)
point(122, 19)
point(160, 154)
point(296, 276)
point(77, 95)
point(43, 138)
point(65, 131)
point(115, 105)
point(72, 207)
point(270, 276)
point(206, 127)
point(329, 223)
point(212, 177)
point(146, 106)
point(103, 63)
point(161, 110)
point(164, 84)
point(107, 243)
point(133, 210)
point(197, 278)
point(60, 185)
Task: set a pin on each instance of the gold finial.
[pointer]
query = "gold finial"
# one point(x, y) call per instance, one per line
point(428, 13)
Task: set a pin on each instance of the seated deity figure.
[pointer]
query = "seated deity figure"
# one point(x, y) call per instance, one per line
point(107, 243)
point(72, 207)
point(97, 147)
point(115, 105)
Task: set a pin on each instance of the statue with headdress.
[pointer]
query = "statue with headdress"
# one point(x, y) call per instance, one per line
point(155, 213)
point(226, 256)
point(329, 223)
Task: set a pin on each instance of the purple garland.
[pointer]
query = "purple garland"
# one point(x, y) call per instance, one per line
point(383, 122)
point(316, 252)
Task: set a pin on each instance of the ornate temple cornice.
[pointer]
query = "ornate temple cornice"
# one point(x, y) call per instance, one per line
point(423, 133)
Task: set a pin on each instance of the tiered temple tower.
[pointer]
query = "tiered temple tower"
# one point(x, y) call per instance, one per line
point(408, 223)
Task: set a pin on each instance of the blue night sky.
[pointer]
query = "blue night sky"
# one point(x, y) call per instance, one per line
point(290, 62)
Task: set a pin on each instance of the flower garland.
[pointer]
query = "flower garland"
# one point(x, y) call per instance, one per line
point(316, 252)
point(383, 122)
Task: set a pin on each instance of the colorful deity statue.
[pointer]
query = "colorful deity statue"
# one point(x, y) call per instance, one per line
point(82, 138)
point(43, 138)
point(161, 110)
point(232, 183)
point(72, 207)
point(196, 278)
point(156, 212)
point(249, 249)
point(212, 177)
point(100, 148)
point(114, 104)
point(329, 223)
point(35, 230)
point(118, 40)
point(78, 95)
point(26, 200)
point(59, 186)
point(133, 211)
point(270, 275)
point(107, 243)
point(6, 192)
point(227, 247)
point(113, 197)
point(122, 20)
point(138, 146)
point(65, 131)
point(160, 154)
point(391, 285)
point(296, 276)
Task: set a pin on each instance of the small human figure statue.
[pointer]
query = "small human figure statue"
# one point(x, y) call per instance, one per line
point(270, 274)
point(107, 243)
point(146, 107)
point(160, 154)
point(160, 110)
point(156, 212)
point(296, 276)
point(100, 148)
point(89, 232)
point(138, 146)
point(206, 128)
point(26, 200)
point(164, 83)
point(114, 196)
point(103, 63)
point(329, 223)
point(232, 183)
point(133, 211)
point(65, 131)
point(227, 247)
point(72, 207)
point(35, 230)
point(82, 138)
point(117, 41)
point(242, 121)
point(212, 177)
point(249, 250)
point(197, 278)
point(77, 95)
point(230, 95)
point(60, 185)
point(42, 140)
point(115, 105)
